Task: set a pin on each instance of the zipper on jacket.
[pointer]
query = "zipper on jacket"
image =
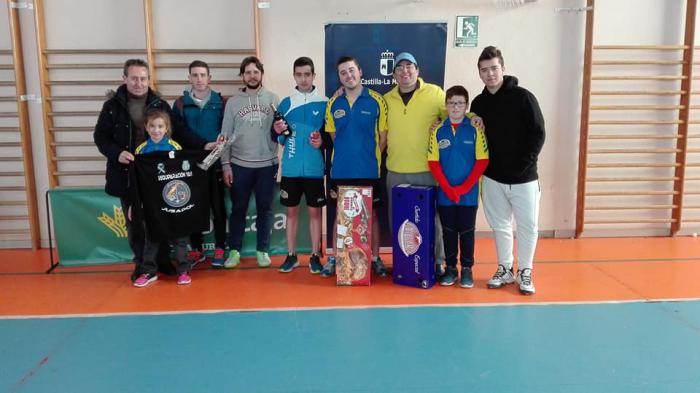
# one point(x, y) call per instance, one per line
point(131, 142)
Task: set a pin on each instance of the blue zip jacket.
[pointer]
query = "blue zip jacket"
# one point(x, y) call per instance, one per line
point(457, 153)
point(165, 144)
point(304, 113)
point(205, 122)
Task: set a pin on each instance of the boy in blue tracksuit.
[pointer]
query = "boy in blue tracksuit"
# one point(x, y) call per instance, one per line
point(302, 161)
point(457, 157)
point(202, 109)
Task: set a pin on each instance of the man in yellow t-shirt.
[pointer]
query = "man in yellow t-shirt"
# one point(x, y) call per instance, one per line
point(413, 106)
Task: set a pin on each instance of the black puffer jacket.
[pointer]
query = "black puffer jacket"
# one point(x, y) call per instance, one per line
point(514, 129)
point(114, 133)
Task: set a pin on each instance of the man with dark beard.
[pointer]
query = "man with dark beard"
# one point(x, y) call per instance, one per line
point(250, 162)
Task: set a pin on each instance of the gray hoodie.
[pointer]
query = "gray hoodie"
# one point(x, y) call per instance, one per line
point(247, 123)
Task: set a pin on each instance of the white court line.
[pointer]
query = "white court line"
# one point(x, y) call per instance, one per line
point(329, 308)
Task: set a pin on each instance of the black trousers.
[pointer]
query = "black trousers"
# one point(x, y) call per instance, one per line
point(136, 234)
point(152, 248)
point(218, 211)
point(458, 224)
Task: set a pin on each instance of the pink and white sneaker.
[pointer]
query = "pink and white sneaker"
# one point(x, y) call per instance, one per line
point(184, 279)
point(144, 280)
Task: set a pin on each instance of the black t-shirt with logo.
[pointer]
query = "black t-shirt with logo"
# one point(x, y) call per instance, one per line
point(174, 193)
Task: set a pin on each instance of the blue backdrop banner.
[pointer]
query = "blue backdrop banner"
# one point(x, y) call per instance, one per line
point(375, 46)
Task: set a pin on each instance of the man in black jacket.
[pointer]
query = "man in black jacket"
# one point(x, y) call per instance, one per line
point(515, 135)
point(120, 130)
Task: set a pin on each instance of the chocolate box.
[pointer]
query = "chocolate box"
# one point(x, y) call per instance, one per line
point(413, 242)
point(354, 235)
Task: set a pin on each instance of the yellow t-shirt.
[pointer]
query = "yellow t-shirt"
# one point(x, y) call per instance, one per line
point(409, 126)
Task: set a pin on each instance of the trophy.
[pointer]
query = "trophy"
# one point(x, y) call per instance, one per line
point(214, 155)
point(276, 115)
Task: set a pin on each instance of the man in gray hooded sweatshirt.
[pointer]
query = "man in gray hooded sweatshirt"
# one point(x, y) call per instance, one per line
point(250, 162)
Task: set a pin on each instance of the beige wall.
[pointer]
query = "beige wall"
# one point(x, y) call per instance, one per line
point(542, 47)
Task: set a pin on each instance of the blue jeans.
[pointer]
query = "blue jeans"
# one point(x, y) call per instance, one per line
point(458, 227)
point(245, 181)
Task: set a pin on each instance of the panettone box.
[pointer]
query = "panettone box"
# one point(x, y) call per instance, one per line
point(413, 242)
point(354, 235)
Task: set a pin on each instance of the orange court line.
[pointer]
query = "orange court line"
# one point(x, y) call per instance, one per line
point(566, 270)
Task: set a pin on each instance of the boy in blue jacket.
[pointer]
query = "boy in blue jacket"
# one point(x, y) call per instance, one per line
point(457, 157)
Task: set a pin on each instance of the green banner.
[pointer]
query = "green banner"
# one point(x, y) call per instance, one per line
point(89, 228)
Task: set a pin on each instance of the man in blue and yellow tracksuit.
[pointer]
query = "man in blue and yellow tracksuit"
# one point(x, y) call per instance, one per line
point(357, 122)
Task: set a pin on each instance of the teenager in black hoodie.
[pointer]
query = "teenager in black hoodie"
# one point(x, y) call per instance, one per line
point(515, 135)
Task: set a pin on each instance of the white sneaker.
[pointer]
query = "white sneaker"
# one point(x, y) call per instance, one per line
point(263, 259)
point(525, 282)
point(502, 277)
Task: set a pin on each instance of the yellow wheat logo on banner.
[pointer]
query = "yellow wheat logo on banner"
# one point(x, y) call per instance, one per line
point(117, 223)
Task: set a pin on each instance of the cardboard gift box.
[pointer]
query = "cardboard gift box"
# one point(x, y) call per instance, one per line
point(354, 235)
point(413, 241)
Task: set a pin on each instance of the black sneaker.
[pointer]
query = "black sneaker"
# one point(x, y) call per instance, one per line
point(439, 271)
point(136, 273)
point(315, 265)
point(467, 279)
point(289, 264)
point(379, 268)
point(450, 277)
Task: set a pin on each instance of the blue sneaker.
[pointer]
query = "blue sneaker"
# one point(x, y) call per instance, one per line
point(449, 278)
point(329, 269)
point(289, 264)
point(467, 279)
point(219, 257)
point(315, 265)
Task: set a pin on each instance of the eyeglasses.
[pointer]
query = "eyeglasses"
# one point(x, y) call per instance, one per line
point(456, 104)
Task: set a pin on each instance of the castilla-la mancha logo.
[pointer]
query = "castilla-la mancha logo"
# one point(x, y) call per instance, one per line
point(116, 223)
point(410, 238)
point(386, 63)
